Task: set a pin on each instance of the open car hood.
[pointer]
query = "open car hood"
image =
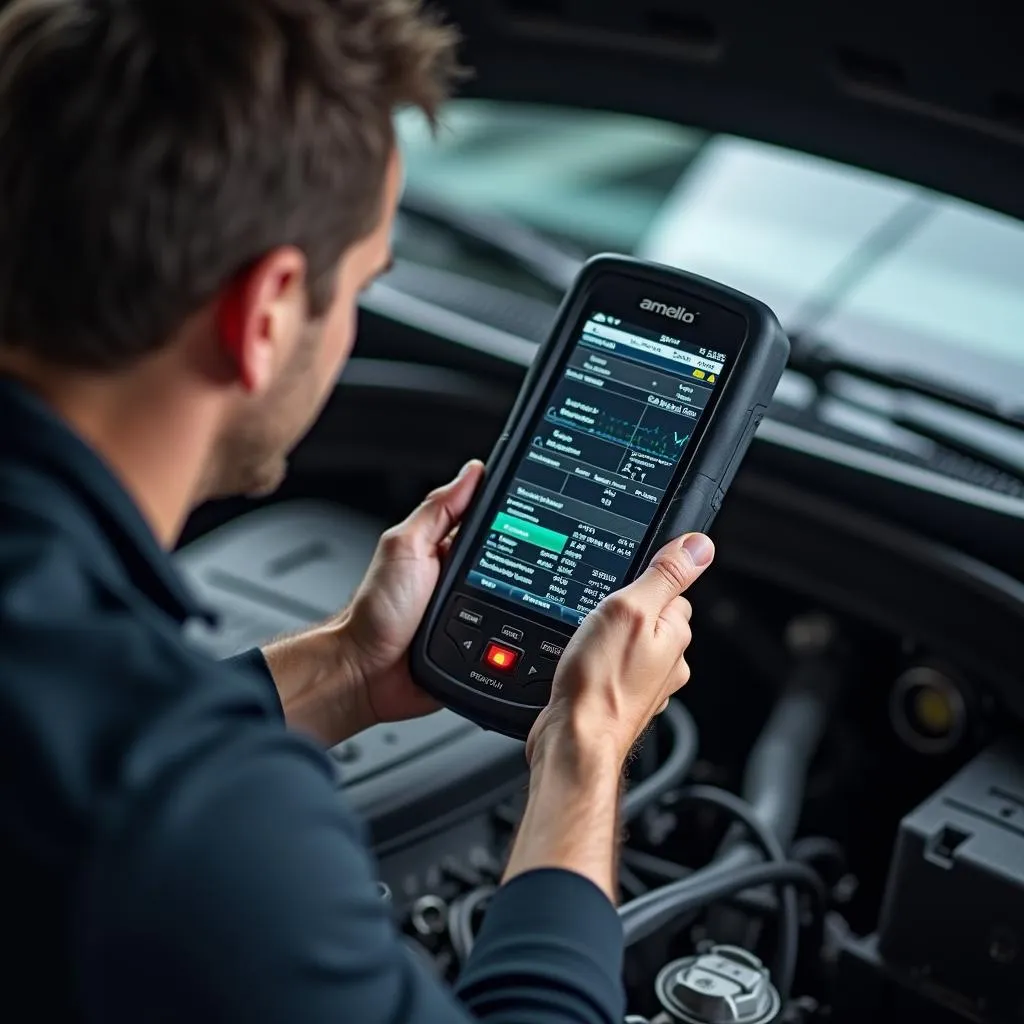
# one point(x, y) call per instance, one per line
point(928, 94)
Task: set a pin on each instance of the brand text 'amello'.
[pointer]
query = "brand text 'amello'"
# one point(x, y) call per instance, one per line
point(687, 316)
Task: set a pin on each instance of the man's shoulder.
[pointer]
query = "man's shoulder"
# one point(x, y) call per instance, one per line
point(40, 570)
point(99, 693)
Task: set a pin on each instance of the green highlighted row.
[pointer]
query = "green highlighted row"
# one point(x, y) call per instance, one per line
point(530, 532)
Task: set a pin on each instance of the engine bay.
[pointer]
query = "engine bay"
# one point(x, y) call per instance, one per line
point(830, 821)
point(855, 711)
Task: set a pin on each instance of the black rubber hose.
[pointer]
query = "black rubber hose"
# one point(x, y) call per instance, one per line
point(789, 917)
point(460, 920)
point(657, 867)
point(698, 892)
point(673, 769)
point(776, 773)
point(773, 788)
point(789, 920)
point(630, 883)
point(760, 902)
point(819, 850)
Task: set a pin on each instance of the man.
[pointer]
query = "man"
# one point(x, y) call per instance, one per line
point(192, 195)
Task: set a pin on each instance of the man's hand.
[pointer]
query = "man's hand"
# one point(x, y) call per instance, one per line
point(628, 657)
point(352, 672)
point(617, 673)
point(388, 607)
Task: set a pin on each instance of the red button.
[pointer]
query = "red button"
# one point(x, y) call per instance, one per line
point(503, 659)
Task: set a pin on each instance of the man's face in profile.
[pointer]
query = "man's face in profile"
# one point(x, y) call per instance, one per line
point(251, 457)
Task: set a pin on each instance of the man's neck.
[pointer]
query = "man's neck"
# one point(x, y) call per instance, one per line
point(154, 438)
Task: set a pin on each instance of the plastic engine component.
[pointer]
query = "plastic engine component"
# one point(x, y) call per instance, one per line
point(726, 985)
point(954, 907)
point(867, 990)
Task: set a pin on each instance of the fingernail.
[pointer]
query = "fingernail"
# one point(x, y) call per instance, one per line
point(700, 549)
point(465, 469)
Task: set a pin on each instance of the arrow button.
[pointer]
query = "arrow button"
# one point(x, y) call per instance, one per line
point(466, 639)
point(539, 670)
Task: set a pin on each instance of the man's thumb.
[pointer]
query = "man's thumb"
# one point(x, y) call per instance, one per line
point(675, 567)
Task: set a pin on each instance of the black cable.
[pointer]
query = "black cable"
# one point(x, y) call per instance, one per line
point(759, 902)
point(656, 867)
point(820, 849)
point(460, 920)
point(707, 887)
point(630, 884)
point(789, 918)
point(673, 770)
point(739, 810)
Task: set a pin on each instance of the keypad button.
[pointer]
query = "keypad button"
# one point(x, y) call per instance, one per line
point(469, 617)
point(538, 670)
point(468, 640)
point(501, 658)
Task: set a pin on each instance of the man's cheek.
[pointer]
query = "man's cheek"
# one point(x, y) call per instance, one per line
point(340, 340)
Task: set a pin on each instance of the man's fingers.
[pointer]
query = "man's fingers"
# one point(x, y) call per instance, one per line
point(675, 616)
point(443, 508)
point(446, 545)
point(674, 568)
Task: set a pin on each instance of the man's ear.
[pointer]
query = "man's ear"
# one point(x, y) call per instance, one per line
point(260, 316)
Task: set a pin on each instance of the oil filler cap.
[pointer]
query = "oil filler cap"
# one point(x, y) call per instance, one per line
point(726, 985)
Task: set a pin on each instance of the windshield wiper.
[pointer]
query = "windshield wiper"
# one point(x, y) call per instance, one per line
point(521, 246)
point(818, 361)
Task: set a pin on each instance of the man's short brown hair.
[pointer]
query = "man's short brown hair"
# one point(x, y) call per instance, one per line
point(150, 150)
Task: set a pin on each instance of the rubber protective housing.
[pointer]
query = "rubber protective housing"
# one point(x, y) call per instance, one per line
point(691, 506)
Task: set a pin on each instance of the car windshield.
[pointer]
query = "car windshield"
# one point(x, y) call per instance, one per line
point(889, 272)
